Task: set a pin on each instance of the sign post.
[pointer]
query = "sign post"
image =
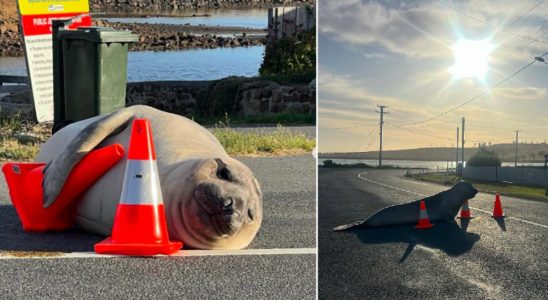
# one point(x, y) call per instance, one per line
point(36, 18)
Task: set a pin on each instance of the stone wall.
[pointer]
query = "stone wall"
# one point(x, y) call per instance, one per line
point(235, 96)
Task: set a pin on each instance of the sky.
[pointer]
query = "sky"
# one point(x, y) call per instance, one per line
point(401, 54)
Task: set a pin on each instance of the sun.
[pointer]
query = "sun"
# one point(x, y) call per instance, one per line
point(471, 58)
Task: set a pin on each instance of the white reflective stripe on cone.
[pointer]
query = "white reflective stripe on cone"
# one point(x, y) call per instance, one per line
point(141, 183)
point(423, 214)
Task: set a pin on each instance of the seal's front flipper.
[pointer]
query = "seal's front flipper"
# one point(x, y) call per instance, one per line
point(355, 225)
point(57, 171)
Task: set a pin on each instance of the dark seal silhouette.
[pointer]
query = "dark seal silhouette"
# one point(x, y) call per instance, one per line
point(443, 206)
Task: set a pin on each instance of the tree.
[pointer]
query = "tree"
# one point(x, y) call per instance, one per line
point(484, 158)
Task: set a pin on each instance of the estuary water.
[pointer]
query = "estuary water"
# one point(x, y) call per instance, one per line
point(249, 18)
point(194, 64)
point(431, 165)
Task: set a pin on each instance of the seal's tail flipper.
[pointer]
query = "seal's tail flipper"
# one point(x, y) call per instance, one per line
point(355, 225)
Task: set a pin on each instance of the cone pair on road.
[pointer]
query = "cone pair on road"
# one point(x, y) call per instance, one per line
point(139, 225)
point(424, 221)
point(25, 188)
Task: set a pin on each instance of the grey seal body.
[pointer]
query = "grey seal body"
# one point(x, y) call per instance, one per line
point(443, 206)
point(211, 200)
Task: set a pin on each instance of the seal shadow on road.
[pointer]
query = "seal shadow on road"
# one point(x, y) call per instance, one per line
point(14, 238)
point(447, 237)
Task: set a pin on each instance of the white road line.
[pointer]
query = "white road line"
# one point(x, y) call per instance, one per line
point(426, 249)
point(388, 186)
point(419, 194)
point(182, 253)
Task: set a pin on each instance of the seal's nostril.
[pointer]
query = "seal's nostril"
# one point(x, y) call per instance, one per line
point(228, 203)
point(250, 214)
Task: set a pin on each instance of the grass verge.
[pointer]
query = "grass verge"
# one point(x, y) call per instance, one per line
point(281, 119)
point(20, 141)
point(507, 189)
point(280, 141)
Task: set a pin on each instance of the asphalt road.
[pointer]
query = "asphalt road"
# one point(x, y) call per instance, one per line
point(282, 267)
point(481, 259)
point(308, 131)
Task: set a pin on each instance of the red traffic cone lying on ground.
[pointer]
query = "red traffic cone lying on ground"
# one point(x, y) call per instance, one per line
point(424, 222)
point(497, 210)
point(140, 225)
point(25, 187)
point(465, 211)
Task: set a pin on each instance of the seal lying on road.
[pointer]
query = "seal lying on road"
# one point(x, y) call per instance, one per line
point(211, 201)
point(443, 206)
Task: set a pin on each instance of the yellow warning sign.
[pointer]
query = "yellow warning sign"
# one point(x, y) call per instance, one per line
point(43, 7)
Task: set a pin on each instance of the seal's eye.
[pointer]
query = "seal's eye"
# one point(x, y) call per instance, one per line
point(224, 173)
point(222, 170)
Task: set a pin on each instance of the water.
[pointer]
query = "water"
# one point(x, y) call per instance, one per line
point(250, 18)
point(13, 66)
point(432, 165)
point(195, 64)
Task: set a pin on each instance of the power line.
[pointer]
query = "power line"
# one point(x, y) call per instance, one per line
point(473, 98)
point(524, 15)
point(523, 47)
point(416, 132)
point(537, 135)
point(347, 127)
point(489, 24)
point(365, 140)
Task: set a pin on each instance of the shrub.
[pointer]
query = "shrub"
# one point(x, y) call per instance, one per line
point(484, 158)
point(291, 55)
point(329, 163)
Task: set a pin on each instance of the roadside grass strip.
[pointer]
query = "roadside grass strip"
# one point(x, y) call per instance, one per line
point(281, 141)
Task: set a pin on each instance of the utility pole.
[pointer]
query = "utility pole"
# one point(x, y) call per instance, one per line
point(516, 163)
point(382, 112)
point(462, 145)
point(457, 160)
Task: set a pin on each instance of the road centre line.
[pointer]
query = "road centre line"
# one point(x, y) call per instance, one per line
point(181, 253)
point(422, 195)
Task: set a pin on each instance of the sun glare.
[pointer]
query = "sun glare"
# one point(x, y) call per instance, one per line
point(471, 59)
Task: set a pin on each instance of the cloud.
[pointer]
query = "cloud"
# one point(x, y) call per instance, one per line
point(400, 55)
point(525, 93)
point(399, 29)
point(428, 29)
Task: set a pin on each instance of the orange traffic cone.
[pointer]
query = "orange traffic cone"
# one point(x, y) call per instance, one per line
point(465, 211)
point(25, 187)
point(140, 225)
point(497, 210)
point(424, 222)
